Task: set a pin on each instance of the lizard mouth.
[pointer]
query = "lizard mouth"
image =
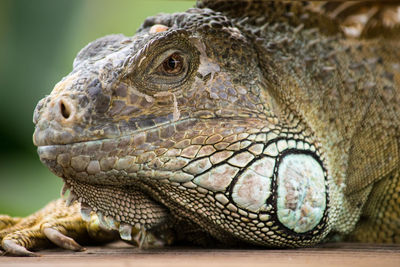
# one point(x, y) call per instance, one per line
point(115, 160)
point(101, 162)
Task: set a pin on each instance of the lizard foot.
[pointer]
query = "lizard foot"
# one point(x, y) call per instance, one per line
point(55, 224)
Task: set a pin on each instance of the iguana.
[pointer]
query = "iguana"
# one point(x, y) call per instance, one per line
point(260, 123)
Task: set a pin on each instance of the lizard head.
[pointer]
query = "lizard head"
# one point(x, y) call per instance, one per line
point(166, 74)
point(181, 114)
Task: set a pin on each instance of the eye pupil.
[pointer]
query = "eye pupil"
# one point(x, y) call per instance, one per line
point(173, 64)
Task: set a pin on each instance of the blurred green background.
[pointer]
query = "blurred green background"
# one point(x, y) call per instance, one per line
point(38, 42)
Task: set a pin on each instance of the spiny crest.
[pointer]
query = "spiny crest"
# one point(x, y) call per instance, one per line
point(357, 19)
point(193, 19)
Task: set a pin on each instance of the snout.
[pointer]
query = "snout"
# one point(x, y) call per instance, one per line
point(56, 119)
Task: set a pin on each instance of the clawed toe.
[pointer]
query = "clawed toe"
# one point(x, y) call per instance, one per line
point(12, 248)
point(62, 240)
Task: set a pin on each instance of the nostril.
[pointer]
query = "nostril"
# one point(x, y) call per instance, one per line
point(65, 110)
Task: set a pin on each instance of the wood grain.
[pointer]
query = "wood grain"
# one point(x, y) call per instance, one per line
point(121, 254)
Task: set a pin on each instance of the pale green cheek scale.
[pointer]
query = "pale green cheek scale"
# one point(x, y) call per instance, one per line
point(251, 190)
point(301, 192)
point(253, 187)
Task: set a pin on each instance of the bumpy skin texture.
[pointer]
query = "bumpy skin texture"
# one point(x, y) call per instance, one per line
point(248, 123)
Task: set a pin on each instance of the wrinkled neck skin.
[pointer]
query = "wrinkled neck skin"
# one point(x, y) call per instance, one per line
point(345, 93)
point(243, 143)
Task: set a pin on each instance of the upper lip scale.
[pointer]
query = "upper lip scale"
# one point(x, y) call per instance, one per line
point(115, 137)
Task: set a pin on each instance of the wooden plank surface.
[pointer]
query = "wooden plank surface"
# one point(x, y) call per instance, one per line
point(121, 254)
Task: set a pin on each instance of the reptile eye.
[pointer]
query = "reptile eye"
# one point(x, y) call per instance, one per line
point(173, 64)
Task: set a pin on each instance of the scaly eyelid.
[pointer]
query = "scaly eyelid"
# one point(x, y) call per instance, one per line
point(143, 69)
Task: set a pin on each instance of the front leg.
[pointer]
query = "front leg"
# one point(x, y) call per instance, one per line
point(54, 224)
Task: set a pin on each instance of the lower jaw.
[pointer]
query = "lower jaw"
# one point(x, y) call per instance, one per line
point(125, 208)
